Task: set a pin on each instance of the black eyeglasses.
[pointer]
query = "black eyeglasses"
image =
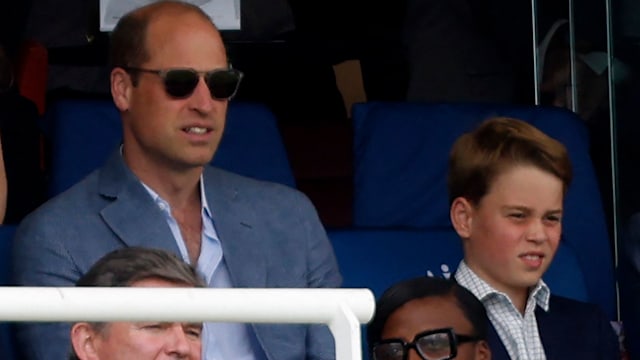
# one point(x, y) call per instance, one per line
point(180, 83)
point(439, 344)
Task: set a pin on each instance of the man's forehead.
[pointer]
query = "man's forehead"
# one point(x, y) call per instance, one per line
point(158, 282)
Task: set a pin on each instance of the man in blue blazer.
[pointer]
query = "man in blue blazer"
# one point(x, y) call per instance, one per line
point(171, 82)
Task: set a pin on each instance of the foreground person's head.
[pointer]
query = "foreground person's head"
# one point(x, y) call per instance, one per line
point(138, 267)
point(428, 318)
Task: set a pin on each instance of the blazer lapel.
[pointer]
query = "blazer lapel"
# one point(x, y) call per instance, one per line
point(238, 230)
point(137, 221)
point(498, 351)
point(132, 215)
point(551, 332)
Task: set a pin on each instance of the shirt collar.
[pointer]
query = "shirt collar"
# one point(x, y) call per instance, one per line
point(203, 198)
point(540, 293)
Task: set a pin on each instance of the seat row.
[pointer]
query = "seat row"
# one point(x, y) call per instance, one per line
point(400, 164)
point(401, 224)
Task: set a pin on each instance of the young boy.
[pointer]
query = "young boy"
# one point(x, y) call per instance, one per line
point(507, 182)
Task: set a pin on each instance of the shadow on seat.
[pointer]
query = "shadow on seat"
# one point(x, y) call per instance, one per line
point(7, 348)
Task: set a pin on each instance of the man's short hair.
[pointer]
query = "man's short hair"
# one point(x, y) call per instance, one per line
point(495, 146)
point(128, 41)
point(126, 266)
point(423, 287)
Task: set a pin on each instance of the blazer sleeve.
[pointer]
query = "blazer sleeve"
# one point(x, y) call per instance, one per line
point(40, 260)
point(322, 272)
point(322, 264)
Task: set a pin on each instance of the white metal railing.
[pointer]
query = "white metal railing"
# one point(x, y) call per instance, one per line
point(343, 310)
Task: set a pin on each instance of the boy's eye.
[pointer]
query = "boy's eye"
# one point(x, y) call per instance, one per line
point(517, 215)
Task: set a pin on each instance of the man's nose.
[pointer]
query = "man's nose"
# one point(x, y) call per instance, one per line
point(200, 100)
point(178, 343)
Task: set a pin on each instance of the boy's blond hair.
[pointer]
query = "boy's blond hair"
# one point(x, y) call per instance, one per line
point(500, 143)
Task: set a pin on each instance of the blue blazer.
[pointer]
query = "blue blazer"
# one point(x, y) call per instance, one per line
point(270, 234)
point(569, 330)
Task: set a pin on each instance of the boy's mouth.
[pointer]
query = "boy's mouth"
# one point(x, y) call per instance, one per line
point(532, 259)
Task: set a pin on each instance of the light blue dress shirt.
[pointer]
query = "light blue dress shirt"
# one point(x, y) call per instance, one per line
point(220, 341)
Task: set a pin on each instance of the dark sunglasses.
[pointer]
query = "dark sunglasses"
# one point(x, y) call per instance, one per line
point(180, 83)
point(439, 344)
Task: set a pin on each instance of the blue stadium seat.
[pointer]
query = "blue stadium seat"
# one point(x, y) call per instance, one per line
point(84, 132)
point(7, 348)
point(6, 238)
point(252, 145)
point(378, 258)
point(82, 135)
point(401, 153)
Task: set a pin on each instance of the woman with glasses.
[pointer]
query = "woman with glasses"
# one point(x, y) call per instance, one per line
point(430, 319)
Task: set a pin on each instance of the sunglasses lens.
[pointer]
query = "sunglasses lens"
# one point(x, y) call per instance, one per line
point(223, 84)
point(180, 82)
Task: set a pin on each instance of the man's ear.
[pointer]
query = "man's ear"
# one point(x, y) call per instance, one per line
point(121, 88)
point(461, 214)
point(482, 351)
point(83, 341)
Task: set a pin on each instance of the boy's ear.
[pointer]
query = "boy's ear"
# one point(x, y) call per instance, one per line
point(83, 341)
point(461, 214)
